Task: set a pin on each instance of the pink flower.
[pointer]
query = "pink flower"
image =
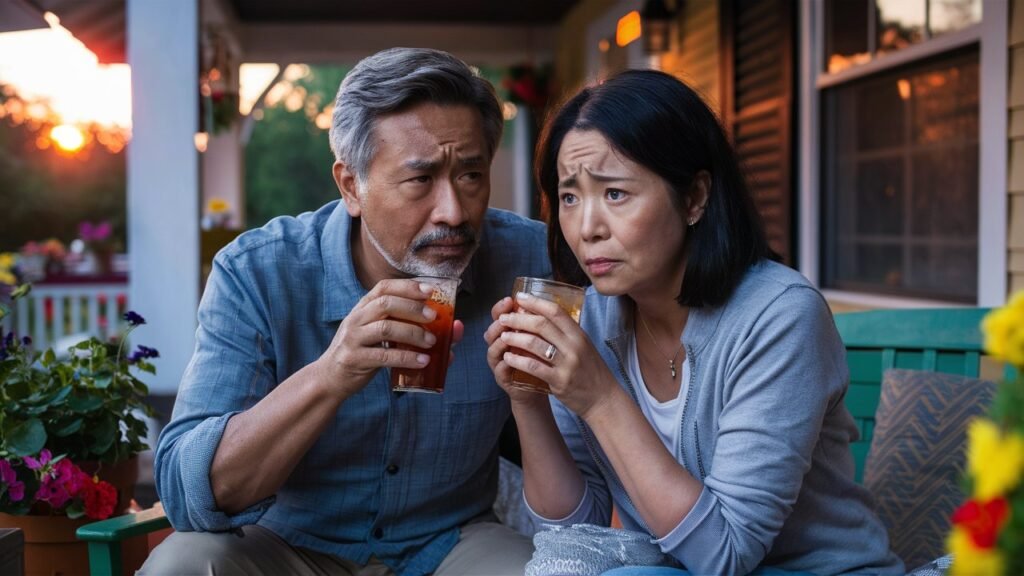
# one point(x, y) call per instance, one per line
point(90, 232)
point(15, 489)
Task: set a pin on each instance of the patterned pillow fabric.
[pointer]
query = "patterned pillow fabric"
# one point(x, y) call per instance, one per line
point(917, 456)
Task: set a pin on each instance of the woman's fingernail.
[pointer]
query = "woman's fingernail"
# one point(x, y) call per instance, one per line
point(505, 335)
point(426, 288)
point(430, 339)
point(503, 318)
point(507, 356)
point(429, 313)
point(422, 359)
point(523, 296)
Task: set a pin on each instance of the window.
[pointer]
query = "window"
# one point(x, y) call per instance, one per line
point(898, 92)
point(901, 180)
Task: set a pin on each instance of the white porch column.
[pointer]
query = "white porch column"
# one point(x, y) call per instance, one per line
point(163, 180)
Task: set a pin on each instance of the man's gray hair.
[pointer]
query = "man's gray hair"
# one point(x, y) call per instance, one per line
point(395, 79)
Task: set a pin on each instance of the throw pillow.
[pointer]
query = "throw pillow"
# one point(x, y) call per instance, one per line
point(917, 456)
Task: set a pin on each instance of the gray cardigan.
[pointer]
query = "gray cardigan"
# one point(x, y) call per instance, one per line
point(764, 429)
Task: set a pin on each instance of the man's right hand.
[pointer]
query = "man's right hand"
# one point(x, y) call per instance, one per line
point(392, 312)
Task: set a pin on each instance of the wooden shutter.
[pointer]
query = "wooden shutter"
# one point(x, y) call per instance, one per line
point(758, 107)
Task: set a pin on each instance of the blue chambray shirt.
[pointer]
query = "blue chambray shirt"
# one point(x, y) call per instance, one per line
point(394, 475)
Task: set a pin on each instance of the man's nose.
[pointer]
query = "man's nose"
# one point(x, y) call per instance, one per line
point(448, 208)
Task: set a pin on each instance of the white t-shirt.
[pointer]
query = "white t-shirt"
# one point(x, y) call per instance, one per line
point(666, 417)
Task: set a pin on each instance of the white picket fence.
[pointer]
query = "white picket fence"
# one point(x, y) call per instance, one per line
point(53, 313)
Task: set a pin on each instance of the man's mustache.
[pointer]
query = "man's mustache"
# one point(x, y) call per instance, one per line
point(463, 234)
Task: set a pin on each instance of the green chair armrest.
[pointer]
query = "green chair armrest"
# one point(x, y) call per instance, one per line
point(123, 527)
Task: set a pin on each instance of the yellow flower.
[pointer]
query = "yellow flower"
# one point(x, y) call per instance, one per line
point(6, 261)
point(217, 206)
point(994, 460)
point(1004, 331)
point(7, 278)
point(968, 559)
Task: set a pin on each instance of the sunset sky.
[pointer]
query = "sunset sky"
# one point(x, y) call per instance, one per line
point(53, 65)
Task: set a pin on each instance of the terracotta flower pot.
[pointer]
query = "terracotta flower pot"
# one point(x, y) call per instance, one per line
point(51, 548)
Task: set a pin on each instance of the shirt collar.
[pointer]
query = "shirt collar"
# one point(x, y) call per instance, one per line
point(341, 288)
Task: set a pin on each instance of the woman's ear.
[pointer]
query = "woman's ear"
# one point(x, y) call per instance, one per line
point(700, 192)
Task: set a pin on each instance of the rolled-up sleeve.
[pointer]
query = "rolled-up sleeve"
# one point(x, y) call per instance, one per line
point(231, 369)
point(786, 374)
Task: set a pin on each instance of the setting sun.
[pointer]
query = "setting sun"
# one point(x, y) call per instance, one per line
point(67, 137)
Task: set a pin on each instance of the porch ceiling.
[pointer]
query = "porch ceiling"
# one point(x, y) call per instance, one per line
point(380, 11)
point(100, 24)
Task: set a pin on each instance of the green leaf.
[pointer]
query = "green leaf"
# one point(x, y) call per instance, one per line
point(81, 403)
point(49, 357)
point(75, 510)
point(69, 428)
point(27, 438)
point(4, 310)
point(103, 379)
point(103, 435)
point(21, 291)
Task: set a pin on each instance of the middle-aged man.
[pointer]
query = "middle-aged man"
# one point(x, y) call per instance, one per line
point(287, 452)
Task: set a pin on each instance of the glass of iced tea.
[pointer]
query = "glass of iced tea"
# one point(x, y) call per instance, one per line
point(567, 296)
point(431, 377)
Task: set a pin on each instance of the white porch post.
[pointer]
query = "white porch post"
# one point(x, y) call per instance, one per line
point(163, 180)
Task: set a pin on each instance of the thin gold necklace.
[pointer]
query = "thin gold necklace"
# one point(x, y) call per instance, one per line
point(672, 360)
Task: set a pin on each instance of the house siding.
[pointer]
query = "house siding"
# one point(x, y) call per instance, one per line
point(1015, 134)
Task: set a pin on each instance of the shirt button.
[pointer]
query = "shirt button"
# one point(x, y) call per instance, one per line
point(378, 533)
point(392, 469)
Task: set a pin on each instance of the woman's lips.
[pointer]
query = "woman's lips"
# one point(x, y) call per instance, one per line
point(599, 266)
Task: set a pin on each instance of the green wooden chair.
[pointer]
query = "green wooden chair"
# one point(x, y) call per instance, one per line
point(940, 340)
point(945, 340)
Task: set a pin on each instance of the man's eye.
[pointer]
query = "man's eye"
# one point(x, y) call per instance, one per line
point(472, 176)
point(420, 179)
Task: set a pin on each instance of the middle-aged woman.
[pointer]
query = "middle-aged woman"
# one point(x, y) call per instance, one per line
point(702, 394)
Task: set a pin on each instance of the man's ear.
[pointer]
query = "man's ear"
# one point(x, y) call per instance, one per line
point(348, 187)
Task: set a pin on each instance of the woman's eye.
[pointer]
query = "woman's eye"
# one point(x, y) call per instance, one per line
point(614, 194)
point(568, 199)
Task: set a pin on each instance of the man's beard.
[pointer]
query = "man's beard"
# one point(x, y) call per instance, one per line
point(413, 265)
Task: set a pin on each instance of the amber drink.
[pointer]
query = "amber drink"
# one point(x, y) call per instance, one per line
point(431, 377)
point(567, 296)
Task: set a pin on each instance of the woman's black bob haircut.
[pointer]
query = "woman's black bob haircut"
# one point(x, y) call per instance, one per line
point(662, 124)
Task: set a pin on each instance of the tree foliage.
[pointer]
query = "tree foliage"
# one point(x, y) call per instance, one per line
point(288, 160)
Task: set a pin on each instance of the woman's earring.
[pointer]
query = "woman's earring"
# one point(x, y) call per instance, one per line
point(691, 221)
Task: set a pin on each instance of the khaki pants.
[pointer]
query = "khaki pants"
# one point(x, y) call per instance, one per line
point(484, 549)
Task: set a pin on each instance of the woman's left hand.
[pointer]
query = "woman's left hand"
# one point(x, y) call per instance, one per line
point(576, 374)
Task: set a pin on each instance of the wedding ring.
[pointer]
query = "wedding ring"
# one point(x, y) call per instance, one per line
point(549, 354)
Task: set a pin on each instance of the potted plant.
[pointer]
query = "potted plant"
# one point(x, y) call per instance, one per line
point(70, 428)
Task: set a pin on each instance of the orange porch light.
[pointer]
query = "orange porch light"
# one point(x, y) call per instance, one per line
point(628, 28)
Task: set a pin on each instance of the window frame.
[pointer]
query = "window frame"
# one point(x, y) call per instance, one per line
point(991, 37)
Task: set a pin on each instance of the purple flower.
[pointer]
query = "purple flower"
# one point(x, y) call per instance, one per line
point(44, 458)
point(142, 353)
point(9, 340)
point(133, 318)
point(26, 341)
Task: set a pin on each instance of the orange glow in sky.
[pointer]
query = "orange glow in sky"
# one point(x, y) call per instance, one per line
point(67, 137)
point(54, 66)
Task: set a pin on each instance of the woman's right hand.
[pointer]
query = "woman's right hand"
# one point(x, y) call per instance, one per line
point(496, 348)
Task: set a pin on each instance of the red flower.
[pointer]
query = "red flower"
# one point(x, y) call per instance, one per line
point(100, 499)
point(983, 521)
